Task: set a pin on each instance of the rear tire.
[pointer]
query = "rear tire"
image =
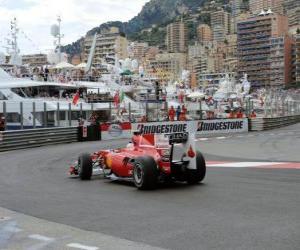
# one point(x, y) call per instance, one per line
point(85, 167)
point(145, 173)
point(196, 176)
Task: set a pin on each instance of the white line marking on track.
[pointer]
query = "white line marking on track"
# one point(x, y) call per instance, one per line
point(203, 139)
point(221, 138)
point(244, 164)
point(40, 237)
point(80, 246)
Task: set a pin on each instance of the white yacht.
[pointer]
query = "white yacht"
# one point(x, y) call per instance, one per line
point(26, 103)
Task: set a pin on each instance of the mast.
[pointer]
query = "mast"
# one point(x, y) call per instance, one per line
point(14, 35)
point(59, 37)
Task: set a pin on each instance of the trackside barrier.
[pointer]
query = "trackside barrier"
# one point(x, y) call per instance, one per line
point(21, 139)
point(111, 131)
point(260, 124)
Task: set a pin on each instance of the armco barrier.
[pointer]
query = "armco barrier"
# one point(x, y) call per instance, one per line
point(260, 124)
point(21, 139)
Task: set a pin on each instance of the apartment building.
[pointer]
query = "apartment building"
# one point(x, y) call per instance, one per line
point(35, 60)
point(139, 50)
point(204, 33)
point(168, 66)
point(292, 10)
point(263, 48)
point(220, 23)
point(297, 58)
point(177, 37)
point(256, 6)
point(109, 45)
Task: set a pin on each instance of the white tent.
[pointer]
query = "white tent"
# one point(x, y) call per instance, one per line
point(64, 65)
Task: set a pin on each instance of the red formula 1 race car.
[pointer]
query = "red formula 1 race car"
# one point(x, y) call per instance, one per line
point(146, 161)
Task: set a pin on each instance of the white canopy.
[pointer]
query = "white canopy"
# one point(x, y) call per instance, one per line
point(64, 65)
point(196, 94)
point(81, 66)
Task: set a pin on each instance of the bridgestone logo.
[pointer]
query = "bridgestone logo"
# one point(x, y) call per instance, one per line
point(218, 126)
point(162, 129)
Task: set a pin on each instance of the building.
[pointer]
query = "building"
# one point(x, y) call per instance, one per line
point(204, 33)
point(177, 37)
point(230, 53)
point(35, 60)
point(280, 60)
point(110, 44)
point(213, 58)
point(168, 66)
point(220, 23)
point(297, 58)
point(262, 46)
point(256, 6)
point(76, 59)
point(236, 7)
point(292, 10)
point(139, 50)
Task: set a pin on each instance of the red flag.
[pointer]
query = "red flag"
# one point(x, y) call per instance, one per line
point(117, 99)
point(76, 98)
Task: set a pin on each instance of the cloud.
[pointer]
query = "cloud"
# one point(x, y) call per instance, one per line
point(36, 16)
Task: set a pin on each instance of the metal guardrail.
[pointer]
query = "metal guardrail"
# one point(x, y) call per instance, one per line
point(260, 124)
point(21, 139)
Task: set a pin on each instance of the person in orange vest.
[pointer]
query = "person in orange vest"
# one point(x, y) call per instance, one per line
point(253, 114)
point(239, 114)
point(184, 110)
point(231, 115)
point(172, 113)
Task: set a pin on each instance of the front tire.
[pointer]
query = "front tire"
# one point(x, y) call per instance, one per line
point(196, 176)
point(145, 173)
point(85, 167)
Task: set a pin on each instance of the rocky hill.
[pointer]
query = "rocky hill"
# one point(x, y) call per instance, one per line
point(156, 13)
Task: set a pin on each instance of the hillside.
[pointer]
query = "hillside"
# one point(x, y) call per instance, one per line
point(155, 12)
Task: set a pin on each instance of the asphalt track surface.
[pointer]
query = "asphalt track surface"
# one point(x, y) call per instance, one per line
point(234, 208)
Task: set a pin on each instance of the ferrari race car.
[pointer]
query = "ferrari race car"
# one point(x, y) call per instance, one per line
point(147, 160)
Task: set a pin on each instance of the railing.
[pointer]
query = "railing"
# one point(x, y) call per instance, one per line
point(22, 139)
point(260, 124)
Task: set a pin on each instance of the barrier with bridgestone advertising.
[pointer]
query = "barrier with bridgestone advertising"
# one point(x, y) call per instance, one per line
point(222, 126)
point(204, 127)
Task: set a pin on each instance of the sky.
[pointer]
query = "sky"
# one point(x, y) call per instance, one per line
point(35, 18)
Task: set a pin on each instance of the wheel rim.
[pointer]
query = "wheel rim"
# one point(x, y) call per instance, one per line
point(138, 174)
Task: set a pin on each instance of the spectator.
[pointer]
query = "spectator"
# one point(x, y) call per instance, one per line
point(143, 119)
point(172, 114)
point(46, 74)
point(184, 110)
point(231, 115)
point(2, 123)
point(253, 114)
point(178, 111)
point(239, 114)
point(182, 116)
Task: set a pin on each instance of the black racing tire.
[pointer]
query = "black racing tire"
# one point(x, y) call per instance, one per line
point(85, 167)
point(196, 176)
point(145, 173)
